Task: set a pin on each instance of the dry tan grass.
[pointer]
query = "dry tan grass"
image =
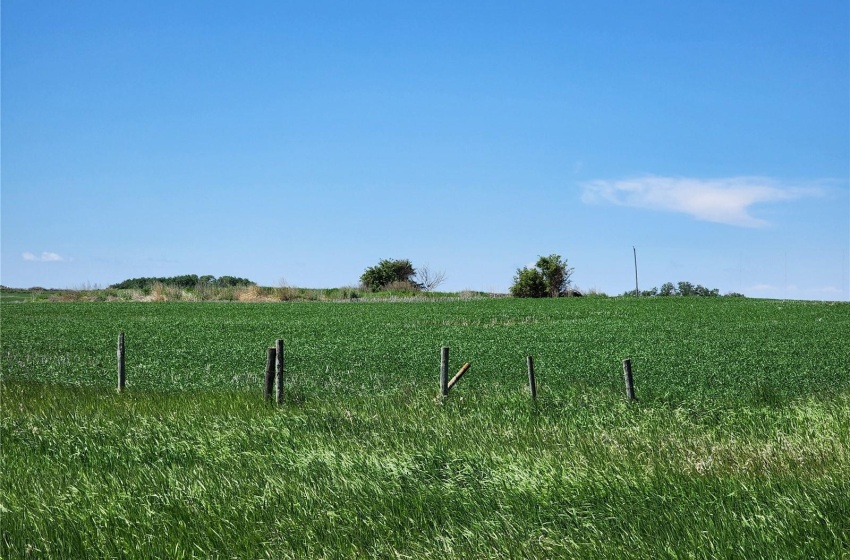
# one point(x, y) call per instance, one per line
point(257, 294)
point(251, 293)
point(161, 292)
point(286, 293)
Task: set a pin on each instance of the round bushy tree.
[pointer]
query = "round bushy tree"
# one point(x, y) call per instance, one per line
point(550, 277)
point(386, 272)
point(529, 283)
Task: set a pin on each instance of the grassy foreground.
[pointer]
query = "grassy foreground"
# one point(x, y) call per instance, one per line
point(87, 473)
point(750, 459)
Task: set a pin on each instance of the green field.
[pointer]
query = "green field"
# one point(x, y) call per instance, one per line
point(738, 446)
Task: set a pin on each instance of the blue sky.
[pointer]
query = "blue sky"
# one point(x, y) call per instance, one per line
point(301, 142)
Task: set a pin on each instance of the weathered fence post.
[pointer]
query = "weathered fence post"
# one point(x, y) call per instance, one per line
point(122, 371)
point(444, 371)
point(532, 383)
point(453, 381)
point(269, 385)
point(279, 363)
point(630, 382)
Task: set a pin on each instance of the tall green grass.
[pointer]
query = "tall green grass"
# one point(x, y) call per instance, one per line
point(739, 446)
point(90, 473)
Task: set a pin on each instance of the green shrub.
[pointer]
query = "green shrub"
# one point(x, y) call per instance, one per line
point(550, 277)
point(529, 283)
point(386, 272)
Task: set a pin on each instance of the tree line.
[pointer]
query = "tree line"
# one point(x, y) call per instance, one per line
point(185, 281)
point(686, 289)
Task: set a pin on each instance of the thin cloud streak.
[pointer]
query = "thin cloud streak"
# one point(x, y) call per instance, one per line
point(724, 201)
point(45, 256)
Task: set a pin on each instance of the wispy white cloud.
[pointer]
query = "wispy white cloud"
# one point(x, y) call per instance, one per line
point(45, 256)
point(725, 201)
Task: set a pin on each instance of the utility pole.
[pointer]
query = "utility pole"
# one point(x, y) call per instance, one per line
point(637, 291)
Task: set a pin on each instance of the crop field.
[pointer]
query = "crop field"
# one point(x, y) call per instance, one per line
point(738, 445)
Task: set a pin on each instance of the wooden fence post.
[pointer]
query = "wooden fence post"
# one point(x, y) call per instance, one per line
point(279, 363)
point(122, 371)
point(532, 383)
point(627, 376)
point(269, 385)
point(444, 371)
point(453, 381)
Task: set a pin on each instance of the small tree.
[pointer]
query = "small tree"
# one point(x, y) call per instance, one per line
point(668, 289)
point(529, 283)
point(386, 272)
point(550, 277)
point(556, 273)
point(686, 289)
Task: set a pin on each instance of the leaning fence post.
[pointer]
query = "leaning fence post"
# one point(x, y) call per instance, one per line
point(269, 385)
point(532, 383)
point(444, 371)
point(453, 381)
point(122, 371)
point(627, 376)
point(279, 365)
